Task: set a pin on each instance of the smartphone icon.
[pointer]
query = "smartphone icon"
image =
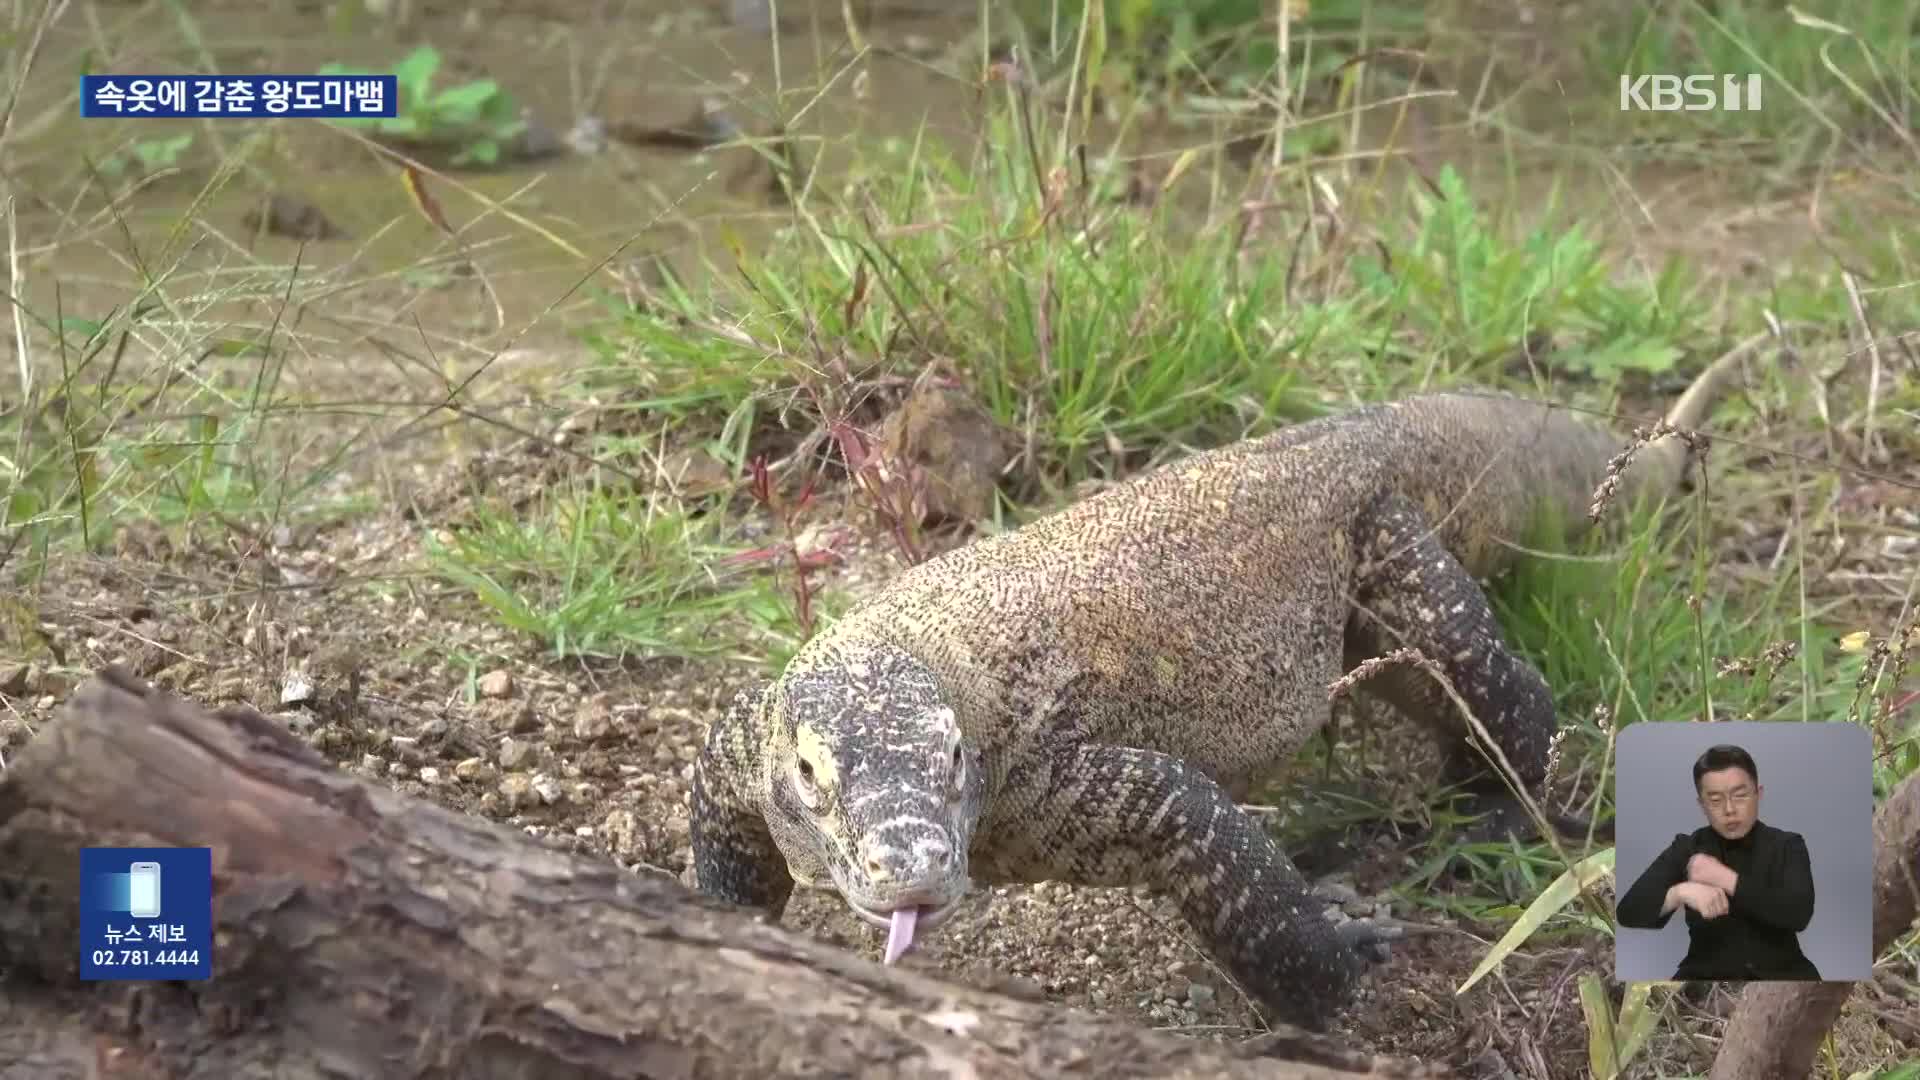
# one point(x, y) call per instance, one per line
point(143, 893)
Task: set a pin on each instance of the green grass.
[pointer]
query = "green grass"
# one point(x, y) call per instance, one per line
point(1611, 626)
point(1839, 75)
point(1464, 296)
point(1840, 78)
point(1102, 332)
point(158, 412)
point(1226, 47)
point(1090, 328)
point(591, 572)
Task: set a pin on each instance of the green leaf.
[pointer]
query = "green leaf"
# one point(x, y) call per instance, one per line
point(1601, 1059)
point(415, 72)
point(445, 121)
point(1551, 899)
point(471, 95)
point(1611, 1044)
point(484, 151)
point(24, 504)
point(499, 112)
point(86, 327)
point(1637, 1017)
point(161, 153)
point(1630, 354)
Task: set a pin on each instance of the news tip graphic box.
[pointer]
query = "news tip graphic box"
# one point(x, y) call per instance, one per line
point(146, 913)
point(157, 97)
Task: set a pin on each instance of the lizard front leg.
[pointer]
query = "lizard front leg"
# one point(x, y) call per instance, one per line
point(1411, 592)
point(1111, 815)
point(734, 855)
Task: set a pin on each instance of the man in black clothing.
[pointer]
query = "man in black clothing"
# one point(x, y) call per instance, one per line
point(1747, 887)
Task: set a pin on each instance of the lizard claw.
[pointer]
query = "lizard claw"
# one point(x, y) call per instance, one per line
point(1370, 938)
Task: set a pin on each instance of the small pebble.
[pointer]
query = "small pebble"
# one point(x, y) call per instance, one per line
point(513, 753)
point(517, 791)
point(547, 788)
point(296, 689)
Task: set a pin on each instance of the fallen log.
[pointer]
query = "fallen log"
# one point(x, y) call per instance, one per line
point(361, 933)
point(1776, 1028)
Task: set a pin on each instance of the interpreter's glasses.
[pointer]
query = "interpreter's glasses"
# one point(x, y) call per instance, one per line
point(1718, 802)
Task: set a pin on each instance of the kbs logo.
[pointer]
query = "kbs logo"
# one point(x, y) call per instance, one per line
point(1690, 93)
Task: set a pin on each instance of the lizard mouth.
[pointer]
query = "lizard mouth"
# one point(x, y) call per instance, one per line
point(930, 916)
point(903, 922)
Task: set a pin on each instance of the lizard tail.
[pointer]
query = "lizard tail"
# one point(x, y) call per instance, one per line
point(1659, 465)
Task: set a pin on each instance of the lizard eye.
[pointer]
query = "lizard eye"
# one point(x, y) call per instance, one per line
point(957, 769)
point(808, 785)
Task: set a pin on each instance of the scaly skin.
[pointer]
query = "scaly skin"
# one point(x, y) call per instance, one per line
point(1085, 698)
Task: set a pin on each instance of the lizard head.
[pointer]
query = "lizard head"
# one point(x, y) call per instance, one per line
point(872, 782)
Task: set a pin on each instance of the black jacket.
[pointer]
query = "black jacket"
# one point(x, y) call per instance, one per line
point(1772, 903)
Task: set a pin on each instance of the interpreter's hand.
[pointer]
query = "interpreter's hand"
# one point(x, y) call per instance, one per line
point(1707, 870)
point(1706, 899)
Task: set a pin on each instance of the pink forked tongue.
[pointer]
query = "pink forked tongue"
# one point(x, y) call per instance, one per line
point(900, 934)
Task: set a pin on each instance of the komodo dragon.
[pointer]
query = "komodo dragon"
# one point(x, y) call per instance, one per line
point(1085, 698)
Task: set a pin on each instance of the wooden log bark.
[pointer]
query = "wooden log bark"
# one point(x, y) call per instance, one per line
point(1776, 1028)
point(361, 933)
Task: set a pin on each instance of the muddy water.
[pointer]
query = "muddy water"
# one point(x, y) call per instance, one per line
point(645, 63)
